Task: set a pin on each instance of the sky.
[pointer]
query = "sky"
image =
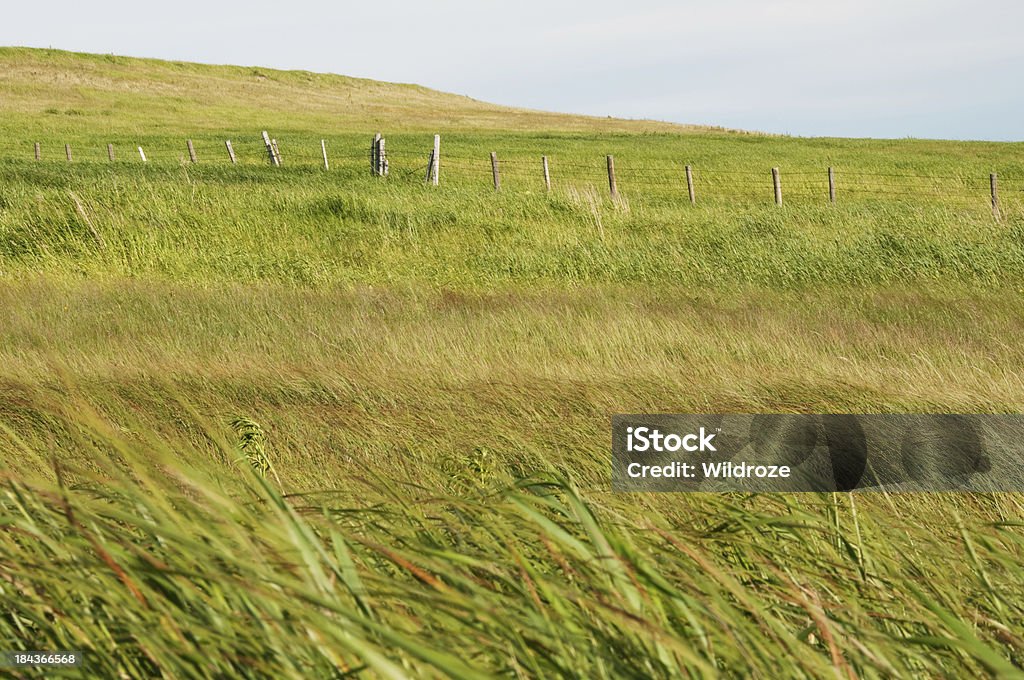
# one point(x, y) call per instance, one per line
point(949, 69)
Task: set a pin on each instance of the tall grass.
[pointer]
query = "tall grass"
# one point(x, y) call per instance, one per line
point(441, 505)
point(261, 422)
point(157, 567)
point(306, 227)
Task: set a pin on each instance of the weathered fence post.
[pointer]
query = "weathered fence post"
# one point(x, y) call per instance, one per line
point(231, 152)
point(689, 185)
point(142, 154)
point(67, 151)
point(547, 173)
point(374, 151)
point(777, 184)
point(435, 160)
point(382, 158)
point(831, 184)
point(270, 150)
point(191, 151)
point(110, 151)
point(613, 187)
point(993, 181)
point(39, 151)
point(277, 152)
point(494, 171)
point(323, 148)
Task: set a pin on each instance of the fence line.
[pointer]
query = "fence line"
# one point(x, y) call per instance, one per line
point(830, 184)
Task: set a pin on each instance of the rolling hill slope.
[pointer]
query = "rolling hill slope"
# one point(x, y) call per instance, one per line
point(72, 91)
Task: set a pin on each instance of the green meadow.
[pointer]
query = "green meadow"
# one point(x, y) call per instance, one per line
point(300, 422)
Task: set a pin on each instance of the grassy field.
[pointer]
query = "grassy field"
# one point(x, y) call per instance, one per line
point(426, 375)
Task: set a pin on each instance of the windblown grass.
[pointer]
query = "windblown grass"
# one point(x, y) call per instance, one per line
point(155, 568)
point(265, 422)
point(304, 227)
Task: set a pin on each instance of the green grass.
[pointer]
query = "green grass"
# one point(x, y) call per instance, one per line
point(430, 372)
point(153, 567)
point(308, 227)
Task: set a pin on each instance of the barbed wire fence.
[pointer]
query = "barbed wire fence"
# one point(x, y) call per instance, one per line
point(656, 178)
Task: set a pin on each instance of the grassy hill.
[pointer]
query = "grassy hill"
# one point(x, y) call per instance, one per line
point(298, 422)
point(72, 92)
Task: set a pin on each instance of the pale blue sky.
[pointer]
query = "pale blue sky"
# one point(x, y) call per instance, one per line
point(880, 68)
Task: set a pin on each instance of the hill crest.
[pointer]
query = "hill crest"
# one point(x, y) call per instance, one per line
point(128, 93)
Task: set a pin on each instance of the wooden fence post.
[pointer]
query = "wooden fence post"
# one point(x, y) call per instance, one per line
point(494, 171)
point(777, 184)
point(435, 161)
point(547, 173)
point(142, 154)
point(67, 151)
point(191, 151)
point(323, 148)
point(613, 187)
point(993, 181)
point(382, 158)
point(831, 185)
point(689, 185)
point(39, 151)
point(231, 152)
point(277, 152)
point(270, 150)
point(374, 159)
point(110, 151)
